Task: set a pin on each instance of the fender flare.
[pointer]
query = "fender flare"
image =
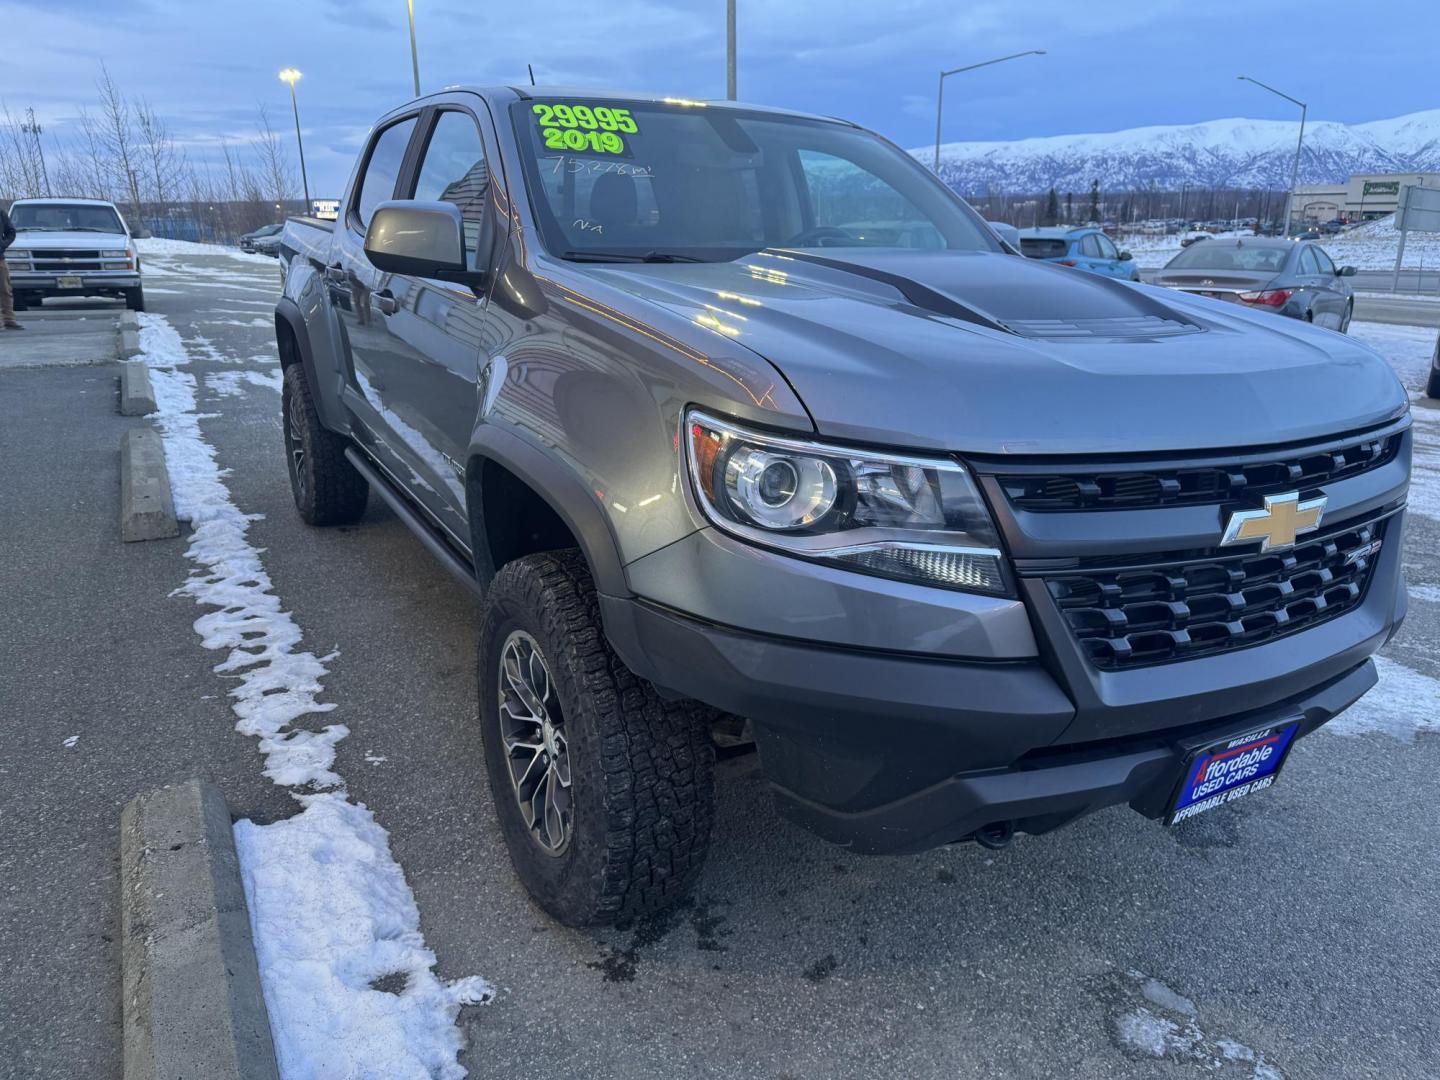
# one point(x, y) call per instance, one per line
point(565, 493)
point(288, 313)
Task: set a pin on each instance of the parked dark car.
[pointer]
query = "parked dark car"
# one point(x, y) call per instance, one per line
point(1285, 276)
point(250, 241)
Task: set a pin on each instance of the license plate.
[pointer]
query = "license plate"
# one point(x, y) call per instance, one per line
point(70, 282)
point(1232, 768)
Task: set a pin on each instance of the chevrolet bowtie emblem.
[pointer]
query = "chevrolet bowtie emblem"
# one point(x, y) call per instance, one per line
point(1284, 518)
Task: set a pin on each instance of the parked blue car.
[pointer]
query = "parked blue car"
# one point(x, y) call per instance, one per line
point(1084, 248)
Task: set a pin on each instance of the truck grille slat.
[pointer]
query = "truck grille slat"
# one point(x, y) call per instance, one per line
point(1130, 489)
point(1138, 616)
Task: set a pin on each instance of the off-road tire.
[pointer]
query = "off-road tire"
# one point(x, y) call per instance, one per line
point(328, 490)
point(642, 768)
point(135, 299)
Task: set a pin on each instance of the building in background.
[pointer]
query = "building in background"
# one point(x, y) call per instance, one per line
point(1361, 198)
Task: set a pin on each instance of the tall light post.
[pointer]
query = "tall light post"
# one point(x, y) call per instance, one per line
point(414, 51)
point(1295, 166)
point(730, 49)
point(33, 129)
point(291, 76)
point(940, 97)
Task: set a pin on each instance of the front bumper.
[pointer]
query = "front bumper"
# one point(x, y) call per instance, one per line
point(893, 754)
point(46, 283)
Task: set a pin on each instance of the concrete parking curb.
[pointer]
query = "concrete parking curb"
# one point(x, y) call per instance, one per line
point(147, 508)
point(192, 1000)
point(129, 335)
point(137, 396)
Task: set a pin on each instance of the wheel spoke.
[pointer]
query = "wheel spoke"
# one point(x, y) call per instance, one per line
point(535, 745)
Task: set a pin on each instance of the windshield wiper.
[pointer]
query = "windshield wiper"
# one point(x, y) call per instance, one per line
point(90, 228)
point(626, 256)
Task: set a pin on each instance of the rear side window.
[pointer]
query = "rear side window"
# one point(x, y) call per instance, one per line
point(1043, 247)
point(454, 170)
point(1308, 264)
point(382, 171)
point(1090, 246)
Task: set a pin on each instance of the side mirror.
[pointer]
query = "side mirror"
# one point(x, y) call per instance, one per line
point(1125, 256)
point(418, 239)
point(1347, 271)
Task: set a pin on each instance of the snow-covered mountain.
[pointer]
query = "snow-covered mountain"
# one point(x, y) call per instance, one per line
point(1214, 154)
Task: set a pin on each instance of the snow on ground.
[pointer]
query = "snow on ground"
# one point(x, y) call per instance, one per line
point(1403, 703)
point(229, 383)
point(1409, 349)
point(1166, 1026)
point(330, 908)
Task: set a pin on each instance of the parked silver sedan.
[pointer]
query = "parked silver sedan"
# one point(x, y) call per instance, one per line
point(1294, 278)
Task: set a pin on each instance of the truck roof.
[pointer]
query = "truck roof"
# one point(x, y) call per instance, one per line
point(524, 93)
point(62, 202)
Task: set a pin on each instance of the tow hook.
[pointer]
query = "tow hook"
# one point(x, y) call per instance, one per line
point(996, 835)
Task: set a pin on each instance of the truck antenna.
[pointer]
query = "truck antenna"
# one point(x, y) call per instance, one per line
point(532, 74)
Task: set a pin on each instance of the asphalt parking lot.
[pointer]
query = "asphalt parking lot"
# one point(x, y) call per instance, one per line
point(1291, 935)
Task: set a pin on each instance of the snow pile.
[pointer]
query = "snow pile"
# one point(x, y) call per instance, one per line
point(329, 905)
point(1372, 246)
point(333, 913)
point(156, 245)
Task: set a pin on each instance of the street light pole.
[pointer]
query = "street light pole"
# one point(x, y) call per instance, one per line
point(730, 50)
point(291, 76)
point(940, 96)
point(33, 129)
point(1300, 142)
point(414, 52)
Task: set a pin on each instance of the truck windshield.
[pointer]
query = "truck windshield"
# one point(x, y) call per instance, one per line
point(679, 181)
point(65, 217)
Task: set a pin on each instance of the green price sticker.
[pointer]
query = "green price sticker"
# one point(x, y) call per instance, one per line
point(583, 128)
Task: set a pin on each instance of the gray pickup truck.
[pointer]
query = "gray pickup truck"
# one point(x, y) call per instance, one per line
point(739, 420)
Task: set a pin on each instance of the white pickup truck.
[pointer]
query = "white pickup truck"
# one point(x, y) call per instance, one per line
point(72, 247)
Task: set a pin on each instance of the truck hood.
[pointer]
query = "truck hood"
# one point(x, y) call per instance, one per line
point(87, 241)
point(996, 354)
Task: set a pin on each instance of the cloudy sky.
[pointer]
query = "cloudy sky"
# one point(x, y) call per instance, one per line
point(207, 64)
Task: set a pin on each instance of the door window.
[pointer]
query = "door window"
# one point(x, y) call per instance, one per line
point(1090, 246)
point(856, 208)
point(454, 170)
point(1107, 249)
point(382, 170)
point(1322, 262)
point(1308, 264)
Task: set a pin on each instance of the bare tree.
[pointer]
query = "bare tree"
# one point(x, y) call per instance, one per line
point(22, 168)
point(276, 171)
point(117, 137)
point(164, 163)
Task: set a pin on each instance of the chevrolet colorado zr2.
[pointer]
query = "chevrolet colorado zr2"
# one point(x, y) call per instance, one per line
point(727, 412)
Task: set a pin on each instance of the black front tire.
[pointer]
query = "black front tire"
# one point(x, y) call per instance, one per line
point(22, 302)
point(1349, 314)
point(640, 799)
point(328, 490)
point(1432, 387)
point(135, 299)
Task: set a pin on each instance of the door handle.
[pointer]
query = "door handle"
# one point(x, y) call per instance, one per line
point(386, 302)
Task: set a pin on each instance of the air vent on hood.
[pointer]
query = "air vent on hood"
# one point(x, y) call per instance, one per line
point(1107, 327)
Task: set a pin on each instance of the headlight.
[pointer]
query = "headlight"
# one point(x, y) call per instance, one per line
point(913, 518)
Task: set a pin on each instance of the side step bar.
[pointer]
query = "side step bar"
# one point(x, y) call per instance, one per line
point(415, 523)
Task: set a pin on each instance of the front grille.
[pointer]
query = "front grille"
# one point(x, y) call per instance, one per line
point(1142, 615)
point(72, 261)
point(1130, 489)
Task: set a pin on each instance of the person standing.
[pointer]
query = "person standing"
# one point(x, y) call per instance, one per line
point(7, 297)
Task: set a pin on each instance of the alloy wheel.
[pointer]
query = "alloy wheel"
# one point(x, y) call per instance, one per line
point(532, 731)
